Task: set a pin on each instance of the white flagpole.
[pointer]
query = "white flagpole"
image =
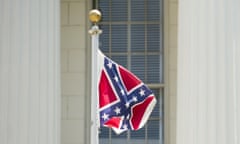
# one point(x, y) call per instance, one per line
point(94, 17)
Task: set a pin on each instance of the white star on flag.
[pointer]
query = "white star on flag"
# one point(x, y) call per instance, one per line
point(117, 110)
point(142, 92)
point(134, 99)
point(105, 116)
point(109, 65)
point(116, 78)
point(127, 104)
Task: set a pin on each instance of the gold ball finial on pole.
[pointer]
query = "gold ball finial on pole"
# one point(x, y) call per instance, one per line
point(95, 16)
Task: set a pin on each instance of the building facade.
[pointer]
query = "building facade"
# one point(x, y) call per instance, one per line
point(75, 69)
point(205, 63)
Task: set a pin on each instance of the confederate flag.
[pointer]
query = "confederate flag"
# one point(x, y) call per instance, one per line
point(124, 101)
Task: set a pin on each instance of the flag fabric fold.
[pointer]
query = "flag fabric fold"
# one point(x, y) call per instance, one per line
point(124, 101)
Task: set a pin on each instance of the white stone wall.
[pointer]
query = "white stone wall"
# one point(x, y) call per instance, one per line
point(29, 72)
point(74, 69)
point(208, 107)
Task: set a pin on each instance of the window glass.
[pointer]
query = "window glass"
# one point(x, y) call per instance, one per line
point(119, 38)
point(104, 6)
point(119, 10)
point(104, 39)
point(137, 10)
point(153, 38)
point(153, 10)
point(153, 69)
point(138, 66)
point(137, 38)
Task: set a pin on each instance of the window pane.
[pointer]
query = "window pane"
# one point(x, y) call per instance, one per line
point(153, 132)
point(119, 10)
point(137, 38)
point(153, 37)
point(118, 139)
point(104, 135)
point(138, 137)
point(138, 66)
point(137, 10)
point(153, 10)
point(153, 69)
point(119, 38)
point(105, 10)
point(104, 39)
point(104, 132)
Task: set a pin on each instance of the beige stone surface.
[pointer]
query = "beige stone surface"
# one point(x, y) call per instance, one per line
point(77, 14)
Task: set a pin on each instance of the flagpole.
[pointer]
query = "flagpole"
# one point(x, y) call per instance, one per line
point(95, 17)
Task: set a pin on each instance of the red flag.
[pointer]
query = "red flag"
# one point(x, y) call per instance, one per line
point(125, 102)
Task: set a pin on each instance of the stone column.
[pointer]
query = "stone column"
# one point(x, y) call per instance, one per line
point(29, 72)
point(208, 102)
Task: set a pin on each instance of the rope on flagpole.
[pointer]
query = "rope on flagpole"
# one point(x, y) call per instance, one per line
point(95, 17)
